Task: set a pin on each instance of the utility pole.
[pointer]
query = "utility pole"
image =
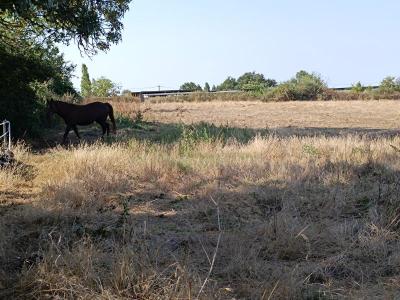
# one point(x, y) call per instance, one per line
point(159, 87)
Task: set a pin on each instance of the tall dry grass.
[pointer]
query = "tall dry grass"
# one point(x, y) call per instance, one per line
point(301, 218)
point(17, 175)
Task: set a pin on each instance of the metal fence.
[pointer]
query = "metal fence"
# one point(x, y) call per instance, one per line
point(6, 135)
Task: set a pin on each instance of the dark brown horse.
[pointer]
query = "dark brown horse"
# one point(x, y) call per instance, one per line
point(74, 115)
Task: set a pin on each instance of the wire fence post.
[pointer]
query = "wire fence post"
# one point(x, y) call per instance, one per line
point(9, 136)
point(6, 135)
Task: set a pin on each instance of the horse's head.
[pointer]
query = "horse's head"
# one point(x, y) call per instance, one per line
point(51, 109)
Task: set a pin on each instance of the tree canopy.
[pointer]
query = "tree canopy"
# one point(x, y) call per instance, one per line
point(104, 87)
point(92, 24)
point(86, 85)
point(253, 79)
point(229, 84)
point(190, 86)
point(249, 81)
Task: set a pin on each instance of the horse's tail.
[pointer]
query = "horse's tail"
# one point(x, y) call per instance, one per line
point(111, 115)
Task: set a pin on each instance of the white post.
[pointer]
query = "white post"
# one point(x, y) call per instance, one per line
point(9, 135)
point(4, 134)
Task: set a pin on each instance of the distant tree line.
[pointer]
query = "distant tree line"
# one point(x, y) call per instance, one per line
point(250, 81)
point(388, 85)
point(303, 86)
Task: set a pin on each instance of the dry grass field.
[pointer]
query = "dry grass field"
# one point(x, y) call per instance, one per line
point(290, 200)
point(339, 115)
point(284, 118)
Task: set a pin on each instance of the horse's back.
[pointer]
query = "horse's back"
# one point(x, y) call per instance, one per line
point(96, 105)
point(89, 113)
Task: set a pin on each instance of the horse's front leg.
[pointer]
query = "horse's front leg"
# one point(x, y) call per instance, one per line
point(67, 130)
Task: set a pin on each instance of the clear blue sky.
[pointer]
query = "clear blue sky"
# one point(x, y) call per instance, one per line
point(168, 42)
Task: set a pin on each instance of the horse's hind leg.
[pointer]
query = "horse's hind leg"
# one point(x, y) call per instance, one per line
point(67, 130)
point(107, 128)
point(76, 131)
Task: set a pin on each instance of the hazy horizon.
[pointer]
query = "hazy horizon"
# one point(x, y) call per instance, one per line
point(170, 42)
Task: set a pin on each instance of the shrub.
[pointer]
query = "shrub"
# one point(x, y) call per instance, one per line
point(358, 88)
point(389, 85)
point(304, 86)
